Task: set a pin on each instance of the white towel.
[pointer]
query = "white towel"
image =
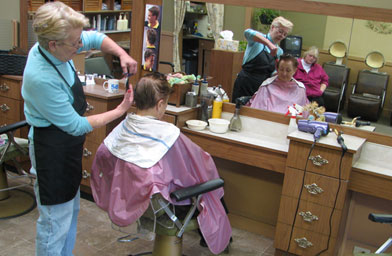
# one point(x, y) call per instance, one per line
point(141, 140)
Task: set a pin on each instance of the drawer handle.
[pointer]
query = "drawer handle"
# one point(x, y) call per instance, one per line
point(303, 242)
point(86, 153)
point(318, 160)
point(85, 174)
point(4, 107)
point(308, 216)
point(313, 189)
point(89, 107)
point(4, 87)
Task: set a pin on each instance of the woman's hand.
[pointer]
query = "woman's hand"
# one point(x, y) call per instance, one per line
point(323, 87)
point(273, 50)
point(127, 101)
point(128, 64)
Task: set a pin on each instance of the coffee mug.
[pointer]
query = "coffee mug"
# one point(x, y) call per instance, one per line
point(112, 85)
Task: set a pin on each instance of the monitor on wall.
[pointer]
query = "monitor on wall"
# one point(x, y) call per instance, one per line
point(292, 45)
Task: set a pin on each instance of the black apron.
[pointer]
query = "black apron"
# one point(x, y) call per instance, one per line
point(253, 74)
point(58, 155)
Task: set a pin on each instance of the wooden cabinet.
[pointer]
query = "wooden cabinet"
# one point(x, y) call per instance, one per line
point(224, 67)
point(83, 5)
point(98, 101)
point(205, 47)
point(11, 102)
point(312, 200)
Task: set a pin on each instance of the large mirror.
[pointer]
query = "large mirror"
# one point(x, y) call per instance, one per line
point(360, 36)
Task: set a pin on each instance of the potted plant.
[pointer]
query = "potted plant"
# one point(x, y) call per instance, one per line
point(265, 16)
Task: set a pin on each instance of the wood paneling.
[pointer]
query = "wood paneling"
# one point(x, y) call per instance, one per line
point(341, 10)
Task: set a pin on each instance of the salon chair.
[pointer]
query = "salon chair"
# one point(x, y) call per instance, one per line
point(13, 201)
point(97, 65)
point(334, 94)
point(166, 221)
point(382, 218)
point(368, 95)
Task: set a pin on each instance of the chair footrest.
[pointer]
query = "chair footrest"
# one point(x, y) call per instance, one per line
point(196, 190)
point(380, 218)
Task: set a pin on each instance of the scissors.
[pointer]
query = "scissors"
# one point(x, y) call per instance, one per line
point(127, 82)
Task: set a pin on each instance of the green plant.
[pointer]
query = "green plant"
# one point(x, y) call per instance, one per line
point(264, 16)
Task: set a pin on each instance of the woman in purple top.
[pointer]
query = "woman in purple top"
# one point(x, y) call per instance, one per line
point(312, 75)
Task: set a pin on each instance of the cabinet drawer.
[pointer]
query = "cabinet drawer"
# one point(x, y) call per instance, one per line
point(293, 181)
point(321, 160)
point(318, 241)
point(317, 216)
point(10, 88)
point(89, 151)
point(9, 108)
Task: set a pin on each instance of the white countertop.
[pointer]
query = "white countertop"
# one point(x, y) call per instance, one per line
point(375, 158)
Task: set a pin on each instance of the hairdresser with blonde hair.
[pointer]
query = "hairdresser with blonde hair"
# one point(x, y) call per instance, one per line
point(260, 57)
point(54, 104)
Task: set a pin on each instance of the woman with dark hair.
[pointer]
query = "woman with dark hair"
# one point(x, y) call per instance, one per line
point(278, 92)
point(143, 156)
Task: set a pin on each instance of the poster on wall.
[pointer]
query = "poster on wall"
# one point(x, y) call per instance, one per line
point(152, 31)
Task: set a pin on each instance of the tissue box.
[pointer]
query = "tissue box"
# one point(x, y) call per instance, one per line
point(228, 45)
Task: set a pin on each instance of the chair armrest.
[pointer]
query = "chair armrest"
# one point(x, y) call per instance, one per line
point(12, 127)
point(189, 192)
point(380, 218)
point(382, 99)
point(354, 86)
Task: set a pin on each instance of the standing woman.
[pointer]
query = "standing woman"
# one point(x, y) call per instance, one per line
point(312, 75)
point(260, 56)
point(54, 104)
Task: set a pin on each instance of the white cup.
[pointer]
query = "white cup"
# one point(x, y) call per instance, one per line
point(112, 85)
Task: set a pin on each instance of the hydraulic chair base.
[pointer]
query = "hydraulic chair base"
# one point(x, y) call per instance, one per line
point(15, 202)
point(165, 245)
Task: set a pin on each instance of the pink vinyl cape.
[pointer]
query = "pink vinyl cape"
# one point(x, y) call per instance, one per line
point(275, 95)
point(124, 189)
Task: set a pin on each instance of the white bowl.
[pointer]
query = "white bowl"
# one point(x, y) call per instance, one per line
point(218, 125)
point(196, 125)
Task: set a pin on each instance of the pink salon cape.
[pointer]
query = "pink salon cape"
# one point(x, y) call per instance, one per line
point(124, 189)
point(276, 96)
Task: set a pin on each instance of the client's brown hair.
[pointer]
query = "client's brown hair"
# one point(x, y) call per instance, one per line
point(288, 57)
point(150, 89)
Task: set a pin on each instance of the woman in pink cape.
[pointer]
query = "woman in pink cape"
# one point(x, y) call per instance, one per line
point(143, 156)
point(281, 91)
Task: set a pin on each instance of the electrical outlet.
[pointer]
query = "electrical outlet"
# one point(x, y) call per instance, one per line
point(358, 249)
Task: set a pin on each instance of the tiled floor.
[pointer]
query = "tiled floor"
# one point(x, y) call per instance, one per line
point(97, 237)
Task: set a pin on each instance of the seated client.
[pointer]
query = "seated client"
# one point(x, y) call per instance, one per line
point(143, 156)
point(280, 91)
point(312, 75)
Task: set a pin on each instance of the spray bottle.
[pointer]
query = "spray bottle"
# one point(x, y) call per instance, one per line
point(235, 122)
point(292, 111)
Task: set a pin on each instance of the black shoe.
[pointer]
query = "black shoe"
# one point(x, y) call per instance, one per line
point(204, 244)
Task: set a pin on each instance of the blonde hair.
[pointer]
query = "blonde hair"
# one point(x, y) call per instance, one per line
point(313, 50)
point(54, 20)
point(282, 22)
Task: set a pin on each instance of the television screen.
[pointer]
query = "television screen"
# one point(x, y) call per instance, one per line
point(292, 45)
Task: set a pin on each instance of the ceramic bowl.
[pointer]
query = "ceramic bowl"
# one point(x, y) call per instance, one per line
point(196, 125)
point(218, 125)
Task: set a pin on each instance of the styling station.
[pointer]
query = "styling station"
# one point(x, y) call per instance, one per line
point(282, 187)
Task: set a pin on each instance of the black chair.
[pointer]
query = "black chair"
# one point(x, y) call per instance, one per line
point(334, 95)
point(13, 201)
point(382, 218)
point(97, 65)
point(368, 95)
point(169, 222)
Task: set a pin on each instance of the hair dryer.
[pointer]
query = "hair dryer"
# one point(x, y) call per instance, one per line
point(317, 128)
point(332, 117)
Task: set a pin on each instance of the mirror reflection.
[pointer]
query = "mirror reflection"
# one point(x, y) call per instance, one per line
point(360, 38)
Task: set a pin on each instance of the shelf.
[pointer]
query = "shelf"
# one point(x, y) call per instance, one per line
point(114, 31)
point(106, 11)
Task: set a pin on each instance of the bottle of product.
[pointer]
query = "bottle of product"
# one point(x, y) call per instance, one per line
point(292, 124)
point(204, 86)
point(125, 23)
point(217, 107)
point(195, 87)
point(225, 98)
point(120, 23)
point(235, 121)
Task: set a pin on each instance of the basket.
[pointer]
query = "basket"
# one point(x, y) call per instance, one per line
point(12, 64)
